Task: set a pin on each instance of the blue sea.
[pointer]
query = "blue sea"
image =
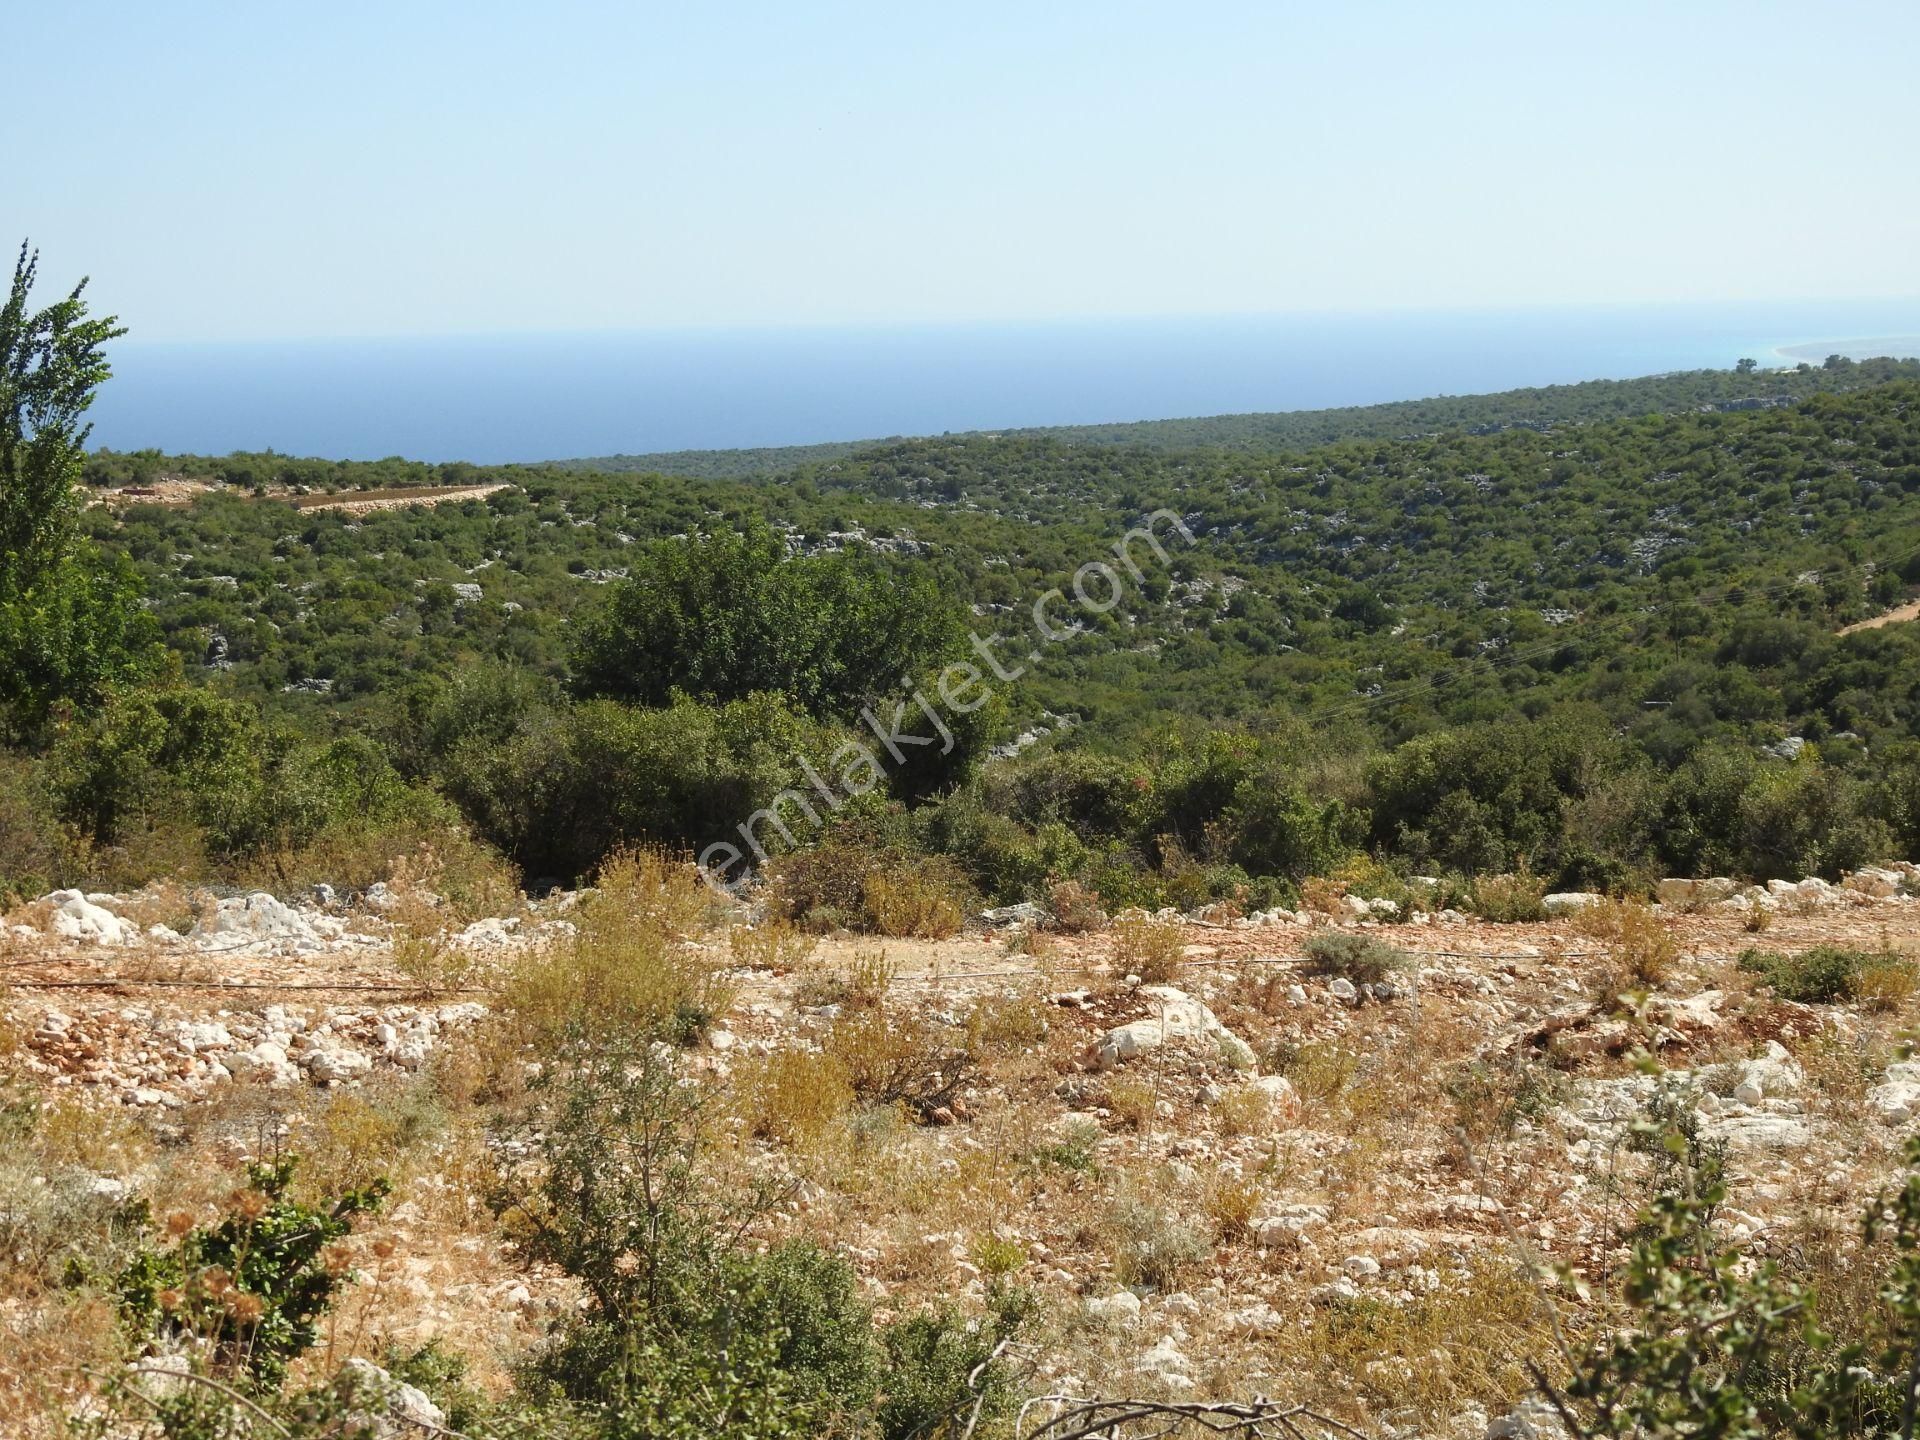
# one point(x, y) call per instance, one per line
point(495, 398)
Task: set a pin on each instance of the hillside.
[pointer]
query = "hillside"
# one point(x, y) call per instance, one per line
point(1407, 581)
point(1531, 407)
point(1366, 907)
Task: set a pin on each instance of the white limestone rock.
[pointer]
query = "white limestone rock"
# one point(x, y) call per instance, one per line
point(1179, 1017)
point(75, 917)
point(256, 924)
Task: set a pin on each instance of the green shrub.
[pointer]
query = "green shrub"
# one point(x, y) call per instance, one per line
point(689, 1331)
point(253, 1286)
point(1479, 799)
point(34, 854)
point(723, 616)
point(1509, 899)
point(571, 785)
point(945, 1375)
point(1825, 974)
point(1717, 1342)
point(1360, 958)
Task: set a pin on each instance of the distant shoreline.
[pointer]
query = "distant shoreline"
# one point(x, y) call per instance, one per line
point(504, 398)
point(1893, 347)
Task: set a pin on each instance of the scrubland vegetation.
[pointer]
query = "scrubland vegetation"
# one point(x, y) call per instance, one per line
point(1574, 651)
point(1574, 640)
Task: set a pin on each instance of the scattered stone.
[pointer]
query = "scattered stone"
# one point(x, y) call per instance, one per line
point(390, 1407)
point(1024, 913)
point(1180, 1018)
point(1122, 1307)
point(256, 924)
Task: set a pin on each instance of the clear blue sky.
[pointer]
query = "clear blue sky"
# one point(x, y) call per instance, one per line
point(263, 170)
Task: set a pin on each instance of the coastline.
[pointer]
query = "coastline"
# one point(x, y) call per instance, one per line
point(1896, 347)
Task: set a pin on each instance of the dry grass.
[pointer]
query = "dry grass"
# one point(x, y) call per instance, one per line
point(434, 965)
point(1032, 941)
point(1007, 1023)
point(774, 944)
point(914, 905)
point(1320, 1071)
point(1639, 950)
point(167, 903)
point(67, 1132)
point(1151, 1244)
point(898, 1058)
point(1886, 981)
point(1231, 1204)
point(1133, 1102)
point(354, 1137)
point(1463, 1341)
point(794, 1096)
point(1076, 909)
point(1321, 896)
point(633, 964)
point(861, 984)
point(467, 878)
point(1244, 1111)
point(49, 1353)
point(1149, 948)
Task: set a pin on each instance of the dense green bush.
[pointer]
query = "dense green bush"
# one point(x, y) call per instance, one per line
point(572, 783)
point(176, 780)
point(721, 616)
point(1826, 973)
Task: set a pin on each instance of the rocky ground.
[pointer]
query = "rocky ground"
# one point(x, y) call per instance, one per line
point(1238, 1177)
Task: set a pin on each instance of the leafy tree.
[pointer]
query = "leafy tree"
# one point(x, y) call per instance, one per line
point(68, 624)
point(726, 615)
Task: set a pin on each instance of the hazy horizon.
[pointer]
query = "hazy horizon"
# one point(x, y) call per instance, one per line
point(447, 170)
point(561, 395)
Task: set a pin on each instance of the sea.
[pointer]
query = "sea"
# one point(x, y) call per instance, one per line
point(495, 398)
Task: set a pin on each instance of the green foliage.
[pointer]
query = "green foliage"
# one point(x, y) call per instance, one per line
point(1539, 406)
point(1717, 1344)
point(688, 1329)
point(1363, 959)
point(1509, 899)
point(33, 850)
point(252, 1286)
point(246, 786)
point(1828, 973)
point(723, 616)
point(70, 626)
point(51, 363)
point(944, 1376)
point(1600, 623)
point(569, 784)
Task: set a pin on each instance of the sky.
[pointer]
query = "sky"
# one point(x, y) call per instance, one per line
point(249, 171)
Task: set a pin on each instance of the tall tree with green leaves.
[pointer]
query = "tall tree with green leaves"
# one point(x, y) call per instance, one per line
point(70, 625)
